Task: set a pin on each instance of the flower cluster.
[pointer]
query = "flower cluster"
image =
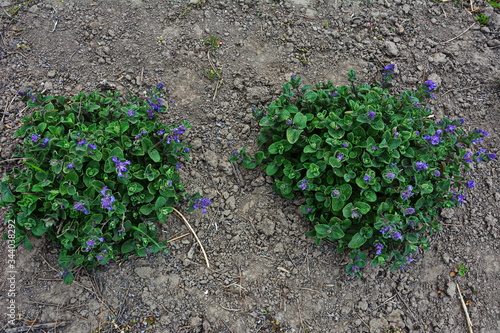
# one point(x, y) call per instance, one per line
point(107, 199)
point(374, 169)
point(202, 203)
point(121, 167)
point(104, 173)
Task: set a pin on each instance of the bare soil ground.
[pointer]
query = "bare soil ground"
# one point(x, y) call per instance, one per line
point(265, 275)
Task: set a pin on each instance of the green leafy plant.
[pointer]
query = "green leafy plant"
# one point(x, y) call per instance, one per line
point(462, 269)
point(482, 19)
point(374, 169)
point(494, 3)
point(100, 173)
point(212, 43)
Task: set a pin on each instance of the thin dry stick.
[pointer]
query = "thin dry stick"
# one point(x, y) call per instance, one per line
point(219, 83)
point(36, 327)
point(449, 40)
point(13, 159)
point(178, 237)
point(469, 323)
point(194, 234)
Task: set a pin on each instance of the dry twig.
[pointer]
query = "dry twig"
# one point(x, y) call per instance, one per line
point(469, 323)
point(194, 234)
point(35, 327)
point(463, 32)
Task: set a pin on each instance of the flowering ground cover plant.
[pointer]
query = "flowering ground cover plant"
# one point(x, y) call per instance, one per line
point(375, 169)
point(100, 171)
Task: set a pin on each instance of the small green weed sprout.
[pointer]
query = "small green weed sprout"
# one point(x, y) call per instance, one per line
point(374, 169)
point(494, 3)
point(212, 43)
point(482, 19)
point(100, 174)
point(212, 74)
point(462, 269)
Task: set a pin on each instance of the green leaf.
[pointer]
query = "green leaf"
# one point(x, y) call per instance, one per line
point(356, 241)
point(370, 196)
point(271, 169)
point(155, 155)
point(293, 135)
point(68, 277)
point(128, 246)
point(7, 195)
point(311, 96)
point(160, 203)
point(146, 209)
point(362, 207)
point(300, 120)
point(134, 188)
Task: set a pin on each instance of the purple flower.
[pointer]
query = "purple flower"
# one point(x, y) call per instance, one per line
point(201, 204)
point(355, 214)
point(459, 198)
point(388, 73)
point(431, 85)
point(99, 257)
point(104, 189)
point(70, 166)
point(107, 199)
point(355, 269)
point(345, 145)
point(491, 156)
point(450, 129)
point(396, 235)
point(396, 134)
point(308, 209)
point(470, 184)
point(370, 115)
point(390, 175)
point(187, 150)
point(340, 157)
point(467, 157)
point(120, 166)
point(160, 85)
point(35, 137)
point(178, 167)
point(484, 133)
point(433, 140)
point(81, 142)
point(81, 207)
point(92, 146)
point(367, 178)
point(407, 193)
point(421, 166)
point(131, 113)
point(409, 211)
point(44, 143)
point(90, 243)
point(437, 173)
point(169, 183)
point(378, 248)
point(101, 239)
point(289, 121)
point(336, 193)
point(374, 147)
point(303, 184)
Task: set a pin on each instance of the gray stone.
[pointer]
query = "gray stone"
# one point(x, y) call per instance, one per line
point(438, 58)
point(391, 48)
point(266, 227)
point(378, 324)
point(452, 289)
point(144, 271)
